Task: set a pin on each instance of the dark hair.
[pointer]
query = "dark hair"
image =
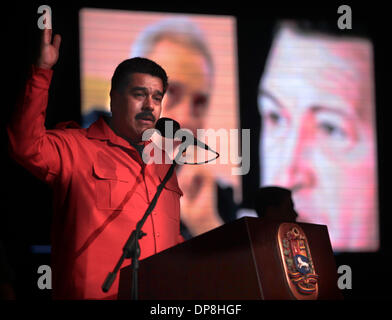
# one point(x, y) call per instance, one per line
point(123, 71)
point(270, 196)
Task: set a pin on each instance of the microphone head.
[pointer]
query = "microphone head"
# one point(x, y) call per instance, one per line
point(167, 127)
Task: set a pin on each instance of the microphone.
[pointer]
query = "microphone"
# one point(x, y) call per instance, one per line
point(164, 125)
point(170, 128)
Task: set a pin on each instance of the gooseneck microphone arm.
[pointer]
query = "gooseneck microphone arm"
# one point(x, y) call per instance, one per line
point(170, 128)
point(198, 143)
point(131, 249)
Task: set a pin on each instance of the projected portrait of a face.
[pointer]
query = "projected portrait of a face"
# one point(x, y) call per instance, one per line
point(316, 101)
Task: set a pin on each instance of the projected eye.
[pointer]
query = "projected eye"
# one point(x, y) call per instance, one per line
point(332, 130)
point(175, 92)
point(274, 117)
point(335, 129)
point(200, 102)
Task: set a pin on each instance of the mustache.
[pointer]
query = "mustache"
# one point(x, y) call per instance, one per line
point(145, 115)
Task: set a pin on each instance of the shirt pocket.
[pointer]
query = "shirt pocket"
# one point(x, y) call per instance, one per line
point(112, 191)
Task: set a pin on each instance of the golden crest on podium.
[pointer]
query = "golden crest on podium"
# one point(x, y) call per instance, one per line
point(297, 262)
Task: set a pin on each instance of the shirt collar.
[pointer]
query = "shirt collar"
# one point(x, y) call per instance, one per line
point(101, 130)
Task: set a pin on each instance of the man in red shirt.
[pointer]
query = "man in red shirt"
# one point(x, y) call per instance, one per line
point(101, 185)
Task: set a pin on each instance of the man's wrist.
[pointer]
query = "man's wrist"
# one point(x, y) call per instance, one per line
point(43, 66)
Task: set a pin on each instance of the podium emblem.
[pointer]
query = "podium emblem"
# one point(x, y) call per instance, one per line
point(297, 262)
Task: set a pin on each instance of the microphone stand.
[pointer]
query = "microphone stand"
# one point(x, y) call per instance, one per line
point(131, 248)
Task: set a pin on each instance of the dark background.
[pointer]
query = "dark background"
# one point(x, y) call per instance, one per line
point(26, 211)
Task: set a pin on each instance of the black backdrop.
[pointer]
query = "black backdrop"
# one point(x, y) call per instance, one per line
point(26, 210)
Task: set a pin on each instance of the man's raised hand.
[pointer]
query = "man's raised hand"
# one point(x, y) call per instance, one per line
point(49, 52)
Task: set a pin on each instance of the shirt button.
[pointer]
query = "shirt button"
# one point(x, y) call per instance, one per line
point(157, 234)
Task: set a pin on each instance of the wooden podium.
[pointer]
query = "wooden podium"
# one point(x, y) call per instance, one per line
point(247, 259)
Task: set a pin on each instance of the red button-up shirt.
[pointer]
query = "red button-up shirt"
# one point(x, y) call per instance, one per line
point(101, 190)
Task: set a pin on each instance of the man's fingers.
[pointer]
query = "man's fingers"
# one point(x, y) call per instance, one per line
point(46, 36)
point(57, 41)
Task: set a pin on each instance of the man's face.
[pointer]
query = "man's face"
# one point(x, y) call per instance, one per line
point(189, 83)
point(137, 107)
point(316, 102)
